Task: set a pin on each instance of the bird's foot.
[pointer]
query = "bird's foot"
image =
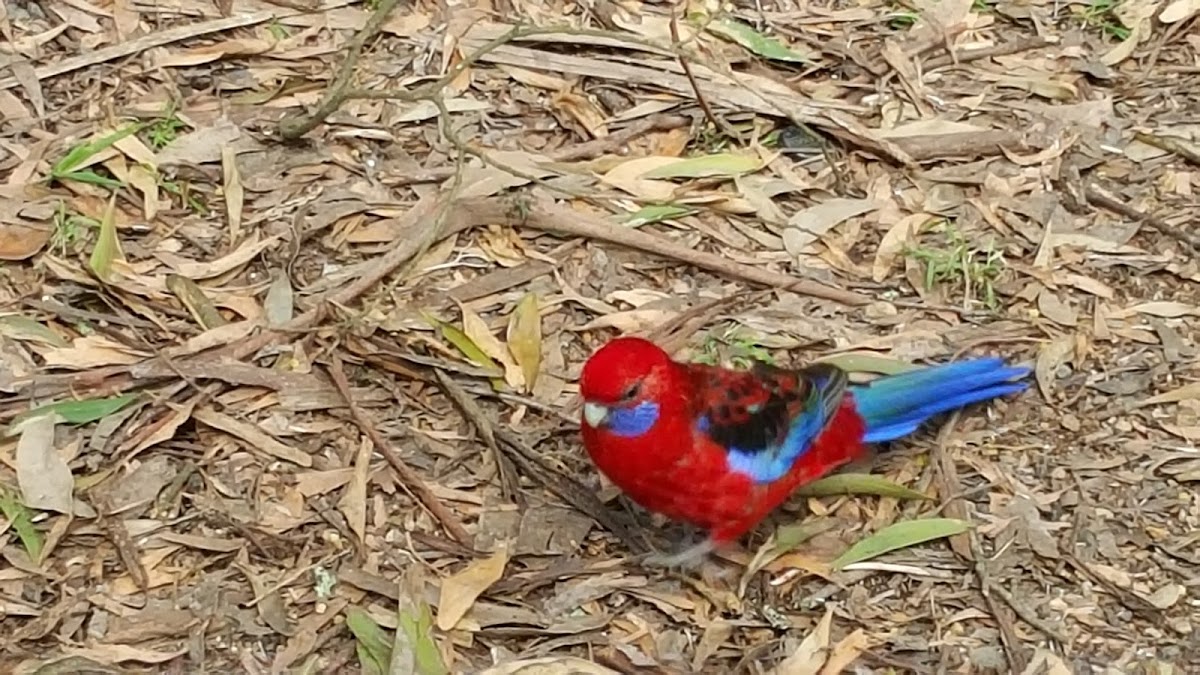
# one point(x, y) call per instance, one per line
point(688, 558)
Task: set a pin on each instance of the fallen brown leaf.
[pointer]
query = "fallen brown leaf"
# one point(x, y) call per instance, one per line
point(42, 474)
point(18, 242)
point(459, 591)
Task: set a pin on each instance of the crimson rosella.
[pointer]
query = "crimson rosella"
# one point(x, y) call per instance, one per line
point(721, 448)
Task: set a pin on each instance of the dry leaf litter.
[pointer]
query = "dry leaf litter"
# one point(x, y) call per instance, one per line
point(299, 293)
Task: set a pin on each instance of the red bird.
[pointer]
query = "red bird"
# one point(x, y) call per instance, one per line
point(720, 448)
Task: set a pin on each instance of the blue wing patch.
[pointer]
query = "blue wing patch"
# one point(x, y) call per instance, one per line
point(778, 431)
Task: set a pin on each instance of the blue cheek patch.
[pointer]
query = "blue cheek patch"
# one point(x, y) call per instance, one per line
point(635, 421)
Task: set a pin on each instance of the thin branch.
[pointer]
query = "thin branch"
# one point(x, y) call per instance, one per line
point(1004, 49)
point(966, 547)
point(536, 468)
point(509, 485)
point(292, 128)
point(717, 122)
point(1176, 146)
point(1099, 197)
point(1028, 615)
point(408, 477)
point(614, 142)
point(340, 90)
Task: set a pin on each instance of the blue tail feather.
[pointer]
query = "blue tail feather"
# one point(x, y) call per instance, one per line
point(894, 406)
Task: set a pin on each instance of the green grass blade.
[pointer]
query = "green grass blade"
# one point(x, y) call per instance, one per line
point(107, 245)
point(723, 164)
point(763, 45)
point(373, 645)
point(20, 327)
point(414, 640)
point(655, 213)
point(858, 362)
point(91, 177)
point(857, 484)
point(900, 535)
point(89, 410)
point(466, 346)
point(85, 151)
point(22, 523)
point(75, 412)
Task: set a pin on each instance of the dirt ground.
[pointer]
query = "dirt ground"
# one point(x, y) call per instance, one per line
point(220, 222)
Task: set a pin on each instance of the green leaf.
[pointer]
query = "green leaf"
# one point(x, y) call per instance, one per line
point(466, 345)
point(868, 363)
point(89, 176)
point(85, 483)
point(90, 410)
point(722, 164)
point(85, 151)
point(195, 301)
point(857, 484)
point(415, 635)
point(900, 535)
point(788, 537)
point(107, 246)
point(766, 47)
point(20, 327)
point(374, 645)
point(21, 519)
point(655, 213)
point(75, 412)
point(524, 338)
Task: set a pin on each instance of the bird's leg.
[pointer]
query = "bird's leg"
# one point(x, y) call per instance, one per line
point(687, 558)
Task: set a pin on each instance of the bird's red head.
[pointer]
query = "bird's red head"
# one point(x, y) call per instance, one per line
point(615, 370)
point(622, 374)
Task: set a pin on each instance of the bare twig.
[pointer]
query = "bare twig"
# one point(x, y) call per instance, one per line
point(904, 71)
point(970, 144)
point(419, 232)
point(1003, 49)
point(1132, 601)
point(554, 219)
point(562, 221)
point(157, 38)
point(1099, 197)
point(675, 332)
point(619, 140)
point(64, 311)
point(1177, 146)
point(340, 90)
point(127, 550)
point(717, 122)
point(945, 474)
point(614, 142)
point(292, 128)
point(1029, 616)
point(469, 149)
point(408, 477)
point(265, 591)
point(661, 75)
point(567, 488)
point(431, 234)
point(1008, 634)
point(966, 547)
point(508, 480)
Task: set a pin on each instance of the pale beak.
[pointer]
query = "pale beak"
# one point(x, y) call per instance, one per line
point(595, 414)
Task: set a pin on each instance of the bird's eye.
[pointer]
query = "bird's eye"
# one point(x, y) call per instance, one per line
point(632, 392)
